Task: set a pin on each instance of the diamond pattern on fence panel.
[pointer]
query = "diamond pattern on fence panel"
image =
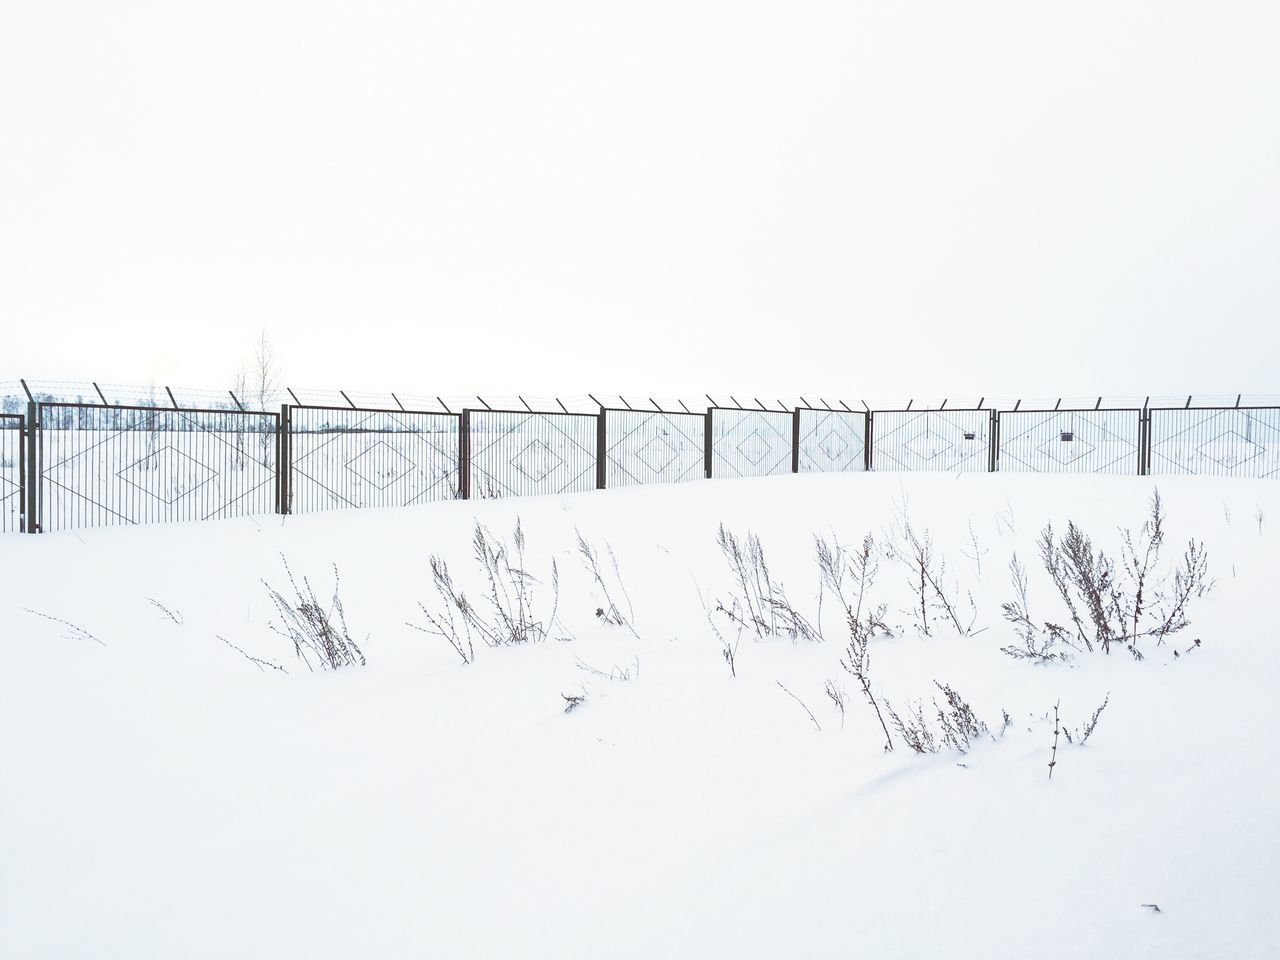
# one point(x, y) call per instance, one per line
point(644, 446)
point(1243, 442)
point(12, 461)
point(101, 466)
point(832, 440)
point(950, 440)
point(370, 458)
point(515, 454)
point(749, 443)
point(1070, 441)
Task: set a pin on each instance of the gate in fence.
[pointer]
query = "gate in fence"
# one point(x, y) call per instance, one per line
point(356, 457)
point(512, 453)
point(99, 465)
point(829, 440)
point(1069, 441)
point(950, 440)
point(644, 446)
point(748, 443)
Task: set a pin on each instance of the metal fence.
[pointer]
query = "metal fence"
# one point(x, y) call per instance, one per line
point(1069, 441)
point(1227, 441)
point(512, 453)
point(642, 446)
point(832, 441)
point(66, 465)
point(951, 440)
point(343, 457)
point(748, 443)
point(104, 465)
point(13, 471)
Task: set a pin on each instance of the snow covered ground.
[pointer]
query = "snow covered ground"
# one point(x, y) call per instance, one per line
point(165, 797)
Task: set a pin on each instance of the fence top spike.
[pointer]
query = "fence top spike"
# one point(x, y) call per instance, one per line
point(1018, 404)
point(348, 399)
point(656, 405)
point(806, 402)
point(482, 400)
point(1098, 404)
point(1188, 406)
point(1238, 396)
point(843, 404)
point(735, 400)
point(103, 398)
point(686, 409)
point(171, 399)
point(981, 401)
point(562, 406)
point(525, 402)
point(864, 406)
point(289, 390)
point(709, 400)
point(233, 397)
point(944, 404)
point(398, 403)
point(443, 404)
point(759, 404)
point(27, 390)
point(595, 401)
point(624, 401)
point(910, 402)
point(1058, 404)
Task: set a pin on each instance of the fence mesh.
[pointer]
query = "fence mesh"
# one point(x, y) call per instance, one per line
point(515, 454)
point(652, 447)
point(12, 463)
point(749, 443)
point(370, 458)
point(1230, 442)
point(951, 440)
point(831, 441)
point(1070, 441)
point(100, 466)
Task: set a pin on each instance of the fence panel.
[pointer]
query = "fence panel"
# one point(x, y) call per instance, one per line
point(12, 472)
point(643, 446)
point(1237, 442)
point(831, 440)
point(107, 465)
point(341, 457)
point(749, 443)
point(950, 440)
point(510, 453)
point(1070, 441)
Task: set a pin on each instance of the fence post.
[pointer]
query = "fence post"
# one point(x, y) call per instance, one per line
point(993, 438)
point(284, 458)
point(464, 455)
point(706, 442)
point(1144, 442)
point(602, 449)
point(867, 439)
point(795, 440)
point(31, 469)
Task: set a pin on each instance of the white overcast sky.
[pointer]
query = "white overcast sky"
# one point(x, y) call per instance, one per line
point(857, 199)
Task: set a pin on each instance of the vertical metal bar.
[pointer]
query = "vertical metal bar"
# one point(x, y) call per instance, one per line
point(464, 455)
point(706, 441)
point(602, 449)
point(284, 459)
point(32, 480)
point(993, 438)
point(866, 440)
point(795, 440)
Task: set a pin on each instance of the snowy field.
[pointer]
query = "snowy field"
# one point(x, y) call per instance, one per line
point(165, 796)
